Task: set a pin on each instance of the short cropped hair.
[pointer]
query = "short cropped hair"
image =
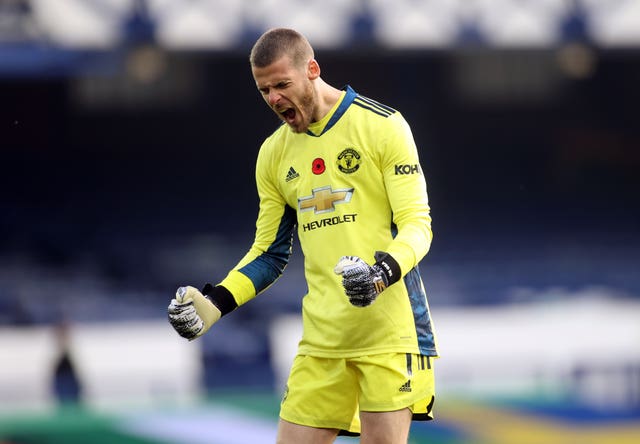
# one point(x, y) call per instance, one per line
point(278, 42)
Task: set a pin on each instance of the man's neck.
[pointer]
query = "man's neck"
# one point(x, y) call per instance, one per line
point(327, 98)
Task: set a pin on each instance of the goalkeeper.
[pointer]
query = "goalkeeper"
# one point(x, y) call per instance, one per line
point(343, 171)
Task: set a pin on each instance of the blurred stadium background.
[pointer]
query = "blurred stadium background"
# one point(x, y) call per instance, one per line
point(128, 134)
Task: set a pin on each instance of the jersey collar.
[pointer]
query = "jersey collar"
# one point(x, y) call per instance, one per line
point(347, 99)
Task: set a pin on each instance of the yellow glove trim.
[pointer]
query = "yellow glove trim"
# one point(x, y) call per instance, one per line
point(209, 313)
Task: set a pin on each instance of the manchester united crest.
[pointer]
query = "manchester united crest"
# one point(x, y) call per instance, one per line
point(348, 161)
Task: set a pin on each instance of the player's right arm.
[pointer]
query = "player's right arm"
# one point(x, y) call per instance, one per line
point(258, 269)
point(191, 313)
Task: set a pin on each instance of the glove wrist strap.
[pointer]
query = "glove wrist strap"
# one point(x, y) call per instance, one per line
point(388, 266)
point(220, 297)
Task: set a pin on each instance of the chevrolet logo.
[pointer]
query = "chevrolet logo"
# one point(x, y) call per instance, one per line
point(324, 199)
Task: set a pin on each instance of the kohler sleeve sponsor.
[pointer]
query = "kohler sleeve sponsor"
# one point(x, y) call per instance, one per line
point(407, 169)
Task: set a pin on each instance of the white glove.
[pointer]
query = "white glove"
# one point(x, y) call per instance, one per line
point(191, 313)
point(362, 282)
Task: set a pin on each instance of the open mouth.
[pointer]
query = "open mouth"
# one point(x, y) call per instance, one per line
point(289, 115)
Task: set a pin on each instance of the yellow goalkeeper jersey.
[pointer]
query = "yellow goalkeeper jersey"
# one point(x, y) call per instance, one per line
point(352, 185)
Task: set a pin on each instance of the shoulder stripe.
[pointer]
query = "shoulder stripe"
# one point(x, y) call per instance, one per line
point(373, 106)
point(377, 105)
point(355, 102)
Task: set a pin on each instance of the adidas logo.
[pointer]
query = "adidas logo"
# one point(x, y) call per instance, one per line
point(406, 387)
point(291, 174)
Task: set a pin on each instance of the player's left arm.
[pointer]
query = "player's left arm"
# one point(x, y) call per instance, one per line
point(407, 193)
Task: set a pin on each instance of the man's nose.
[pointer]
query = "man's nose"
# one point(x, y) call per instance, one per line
point(273, 98)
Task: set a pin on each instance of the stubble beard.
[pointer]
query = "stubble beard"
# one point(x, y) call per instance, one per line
point(307, 104)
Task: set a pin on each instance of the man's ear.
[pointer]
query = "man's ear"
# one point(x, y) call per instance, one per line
point(313, 69)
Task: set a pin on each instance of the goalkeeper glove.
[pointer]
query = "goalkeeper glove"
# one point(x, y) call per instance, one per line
point(363, 282)
point(191, 313)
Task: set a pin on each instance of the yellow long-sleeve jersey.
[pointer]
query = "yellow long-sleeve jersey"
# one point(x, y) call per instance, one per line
point(352, 185)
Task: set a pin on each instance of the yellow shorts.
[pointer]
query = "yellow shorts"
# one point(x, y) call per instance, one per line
point(330, 392)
